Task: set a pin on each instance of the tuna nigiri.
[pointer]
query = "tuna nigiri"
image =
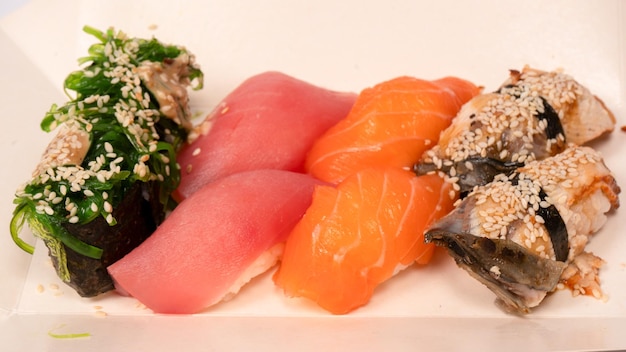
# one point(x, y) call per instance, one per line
point(269, 122)
point(215, 241)
point(391, 124)
point(359, 234)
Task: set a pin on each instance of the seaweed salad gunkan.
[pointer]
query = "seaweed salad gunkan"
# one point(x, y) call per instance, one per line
point(103, 184)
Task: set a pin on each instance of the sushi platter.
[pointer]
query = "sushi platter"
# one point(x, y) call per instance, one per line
point(333, 51)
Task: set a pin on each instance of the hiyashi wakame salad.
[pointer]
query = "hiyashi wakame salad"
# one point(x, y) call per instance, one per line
point(104, 182)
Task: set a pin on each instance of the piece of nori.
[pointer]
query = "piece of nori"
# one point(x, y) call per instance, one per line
point(554, 225)
point(138, 214)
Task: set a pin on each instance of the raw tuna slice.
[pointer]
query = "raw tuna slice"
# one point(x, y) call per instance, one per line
point(269, 122)
point(215, 241)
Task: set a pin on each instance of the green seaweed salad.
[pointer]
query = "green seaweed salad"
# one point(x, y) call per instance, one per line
point(104, 182)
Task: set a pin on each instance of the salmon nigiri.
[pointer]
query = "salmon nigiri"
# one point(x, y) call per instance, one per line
point(391, 123)
point(360, 233)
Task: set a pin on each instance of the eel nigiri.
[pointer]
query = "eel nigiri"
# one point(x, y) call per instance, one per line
point(269, 122)
point(215, 241)
point(104, 182)
point(533, 115)
point(391, 124)
point(359, 234)
point(525, 233)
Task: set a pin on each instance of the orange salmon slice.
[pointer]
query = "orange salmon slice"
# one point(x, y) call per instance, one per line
point(391, 124)
point(359, 234)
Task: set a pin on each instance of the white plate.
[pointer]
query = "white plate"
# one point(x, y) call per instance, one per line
point(345, 45)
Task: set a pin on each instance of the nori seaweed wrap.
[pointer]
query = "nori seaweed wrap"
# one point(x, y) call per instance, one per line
point(104, 182)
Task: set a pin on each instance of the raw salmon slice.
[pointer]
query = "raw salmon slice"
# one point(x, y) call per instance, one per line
point(269, 122)
point(215, 241)
point(391, 124)
point(359, 234)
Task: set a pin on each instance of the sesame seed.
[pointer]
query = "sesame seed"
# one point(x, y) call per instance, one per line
point(596, 293)
point(48, 210)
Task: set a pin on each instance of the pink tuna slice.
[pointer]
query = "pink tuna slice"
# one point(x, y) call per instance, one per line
point(215, 241)
point(269, 122)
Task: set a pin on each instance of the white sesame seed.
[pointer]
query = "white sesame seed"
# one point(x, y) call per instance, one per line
point(48, 210)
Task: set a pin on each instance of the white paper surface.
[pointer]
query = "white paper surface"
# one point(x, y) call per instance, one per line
point(345, 46)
